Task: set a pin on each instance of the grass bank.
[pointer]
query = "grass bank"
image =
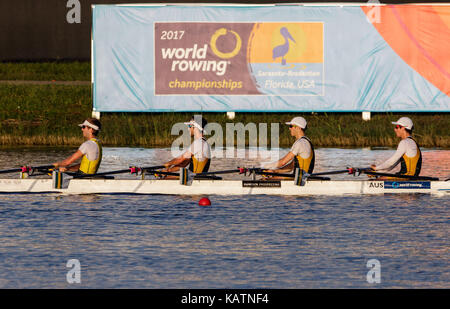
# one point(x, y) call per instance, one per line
point(48, 115)
point(46, 71)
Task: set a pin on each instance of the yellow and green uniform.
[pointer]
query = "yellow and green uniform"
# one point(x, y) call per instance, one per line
point(411, 166)
point(91, 166)
point(200, 149)
point(409, 156)
point(306, 164)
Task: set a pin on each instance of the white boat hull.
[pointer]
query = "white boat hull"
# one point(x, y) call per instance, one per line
point(221, 187)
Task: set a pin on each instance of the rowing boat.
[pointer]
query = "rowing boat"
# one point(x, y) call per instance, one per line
point(222, 187)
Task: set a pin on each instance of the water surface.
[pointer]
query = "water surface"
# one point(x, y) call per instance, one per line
point(157, 241)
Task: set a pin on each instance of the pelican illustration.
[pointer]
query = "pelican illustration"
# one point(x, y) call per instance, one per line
point(282, 50)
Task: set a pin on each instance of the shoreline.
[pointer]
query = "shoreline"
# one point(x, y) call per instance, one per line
point(42, 103)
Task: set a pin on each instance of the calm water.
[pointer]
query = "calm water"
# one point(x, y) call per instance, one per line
point(125, 241)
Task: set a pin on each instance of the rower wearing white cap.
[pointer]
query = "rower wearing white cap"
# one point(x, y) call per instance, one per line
point(301, 154)
point(198, 156)
point(408, 153)
point(90, 152)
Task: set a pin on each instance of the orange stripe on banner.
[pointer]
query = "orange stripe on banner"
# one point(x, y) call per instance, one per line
point(420, 35)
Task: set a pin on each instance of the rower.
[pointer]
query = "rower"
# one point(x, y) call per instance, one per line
point(198, 156)
point(301, 154)
point(408, 153)
point(90, 152)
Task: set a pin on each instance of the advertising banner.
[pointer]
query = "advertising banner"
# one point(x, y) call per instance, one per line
point(271, 58)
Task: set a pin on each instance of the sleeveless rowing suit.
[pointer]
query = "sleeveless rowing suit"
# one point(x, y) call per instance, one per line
point(303, 150)
point(92, 156)
point(201, 156)
point(411, 165)
point(409, 156)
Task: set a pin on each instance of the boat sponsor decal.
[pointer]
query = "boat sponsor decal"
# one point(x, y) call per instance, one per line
point(407, 185)
point(261, 184)
point(376, 184)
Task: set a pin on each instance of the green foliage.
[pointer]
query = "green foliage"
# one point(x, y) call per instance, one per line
point(48, 115)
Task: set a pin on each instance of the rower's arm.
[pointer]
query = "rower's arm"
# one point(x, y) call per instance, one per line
point(70, 160)
point(179, 161)
point(392, 161)
point(282, 162)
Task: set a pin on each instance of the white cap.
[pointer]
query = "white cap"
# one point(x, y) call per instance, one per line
point(90, 125)
point(298, 121)
point(195, 124)
point(405, 122)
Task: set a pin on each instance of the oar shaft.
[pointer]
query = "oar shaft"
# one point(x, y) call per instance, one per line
point(129, 170)
point(26, 168)
point(274, 174)
point(219, 172)
point(75, 175)
point(13, 170)
point(330, 173)
point(163, 173)
point(400, 176)
point(152, 167)
point(43, 167)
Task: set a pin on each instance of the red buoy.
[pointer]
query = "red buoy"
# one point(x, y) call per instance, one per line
point(204, 201)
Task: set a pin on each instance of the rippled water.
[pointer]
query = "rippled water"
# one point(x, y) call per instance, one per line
point(156, 241)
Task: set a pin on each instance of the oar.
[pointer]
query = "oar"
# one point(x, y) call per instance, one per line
point(400, 176)
point(25, 169)
point(238, 170)
point(13, 170)
point(186, 176)
point(347, 171)
point(131, 170)
point(305, 174)
point(78, 175)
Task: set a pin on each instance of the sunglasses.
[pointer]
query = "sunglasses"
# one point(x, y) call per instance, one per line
point(291, 126)
point(398, 127)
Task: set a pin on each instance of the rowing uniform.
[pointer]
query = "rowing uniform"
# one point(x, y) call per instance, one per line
point(92, 156)
point(304, 158)
point(409, 156)
point(201, 156)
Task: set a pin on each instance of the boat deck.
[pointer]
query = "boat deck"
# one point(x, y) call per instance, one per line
point(222, 187)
